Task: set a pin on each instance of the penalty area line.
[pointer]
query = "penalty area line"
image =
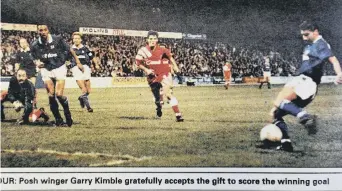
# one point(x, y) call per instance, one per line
point(117, 159)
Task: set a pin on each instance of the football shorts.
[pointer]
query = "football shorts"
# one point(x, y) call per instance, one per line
point(58, 73)
point(79, 75)
point(304, 86)
point(267, 74)
point(227, 76)
point(167, 81)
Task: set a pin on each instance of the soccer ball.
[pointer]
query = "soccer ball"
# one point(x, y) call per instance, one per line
point(17, 105)
point(271, 132)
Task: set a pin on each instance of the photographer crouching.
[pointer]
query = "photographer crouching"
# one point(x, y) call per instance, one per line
point(21, 93)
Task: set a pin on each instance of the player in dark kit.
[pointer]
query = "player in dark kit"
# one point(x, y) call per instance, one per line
point(25, 61)
point(82, 78)
point(267, 73)
point(21, 93)
point(50, 53)
point(299, 92)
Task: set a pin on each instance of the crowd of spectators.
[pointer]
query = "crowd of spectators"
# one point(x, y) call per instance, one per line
point(115, 55)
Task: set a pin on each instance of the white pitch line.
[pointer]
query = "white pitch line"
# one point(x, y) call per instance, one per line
point(121, 158)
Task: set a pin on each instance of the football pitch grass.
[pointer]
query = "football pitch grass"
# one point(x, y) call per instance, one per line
point(221, 129)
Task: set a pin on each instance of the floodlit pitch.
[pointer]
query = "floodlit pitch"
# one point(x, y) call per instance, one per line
point(221, 129)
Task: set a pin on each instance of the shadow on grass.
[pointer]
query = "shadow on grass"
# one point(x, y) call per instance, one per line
point(8, 121)
point(33, 124)
point(267, 147)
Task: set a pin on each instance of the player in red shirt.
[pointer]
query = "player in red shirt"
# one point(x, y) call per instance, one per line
point(227, 67)
point(151, 59)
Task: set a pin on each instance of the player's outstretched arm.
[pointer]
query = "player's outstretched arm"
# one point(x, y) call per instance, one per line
point(337, 67)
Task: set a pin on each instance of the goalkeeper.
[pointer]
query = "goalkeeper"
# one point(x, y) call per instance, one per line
point(21, 93)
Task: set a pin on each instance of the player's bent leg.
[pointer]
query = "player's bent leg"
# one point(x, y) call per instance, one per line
point(88, 85)
point(174, 105)
point(285, 102)
point(308, 120)
point(83, 88)
point(268, 82)
point(284, 98)
point(63, 100)
point(167, 86)
point(38, 113)
point(24, 119)
point(162, 96)
point(226, 84)
point(286, 144)
point(81, 84)
point(82, 79)
point(262, 82)
point(50, 87)
point(175, 108)
point(86, 95)
point(155, 88)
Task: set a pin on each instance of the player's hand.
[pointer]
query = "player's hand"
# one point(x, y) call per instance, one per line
point(338, 79)
point(149, 72)
point(80, 66)
point(21, 121)
point(17, 106)
point(39, 64)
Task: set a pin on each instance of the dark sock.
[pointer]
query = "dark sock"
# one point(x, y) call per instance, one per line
point(283, 127)
point(54, 108)
point(86, 100)
point(44, 115)
point(291, 108)
point(279, 114)
point(64, 102)
point(262, 83)
point(268, 84)
point(156, 93)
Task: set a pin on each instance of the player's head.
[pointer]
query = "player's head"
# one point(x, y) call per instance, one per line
point(77, 38)
point(23, 43)
point(152, 38)
point(267, 59)
point(21, 76)
point(43, 31)
point(309, 31)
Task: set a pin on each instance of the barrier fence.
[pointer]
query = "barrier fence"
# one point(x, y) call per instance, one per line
point(109, 82)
